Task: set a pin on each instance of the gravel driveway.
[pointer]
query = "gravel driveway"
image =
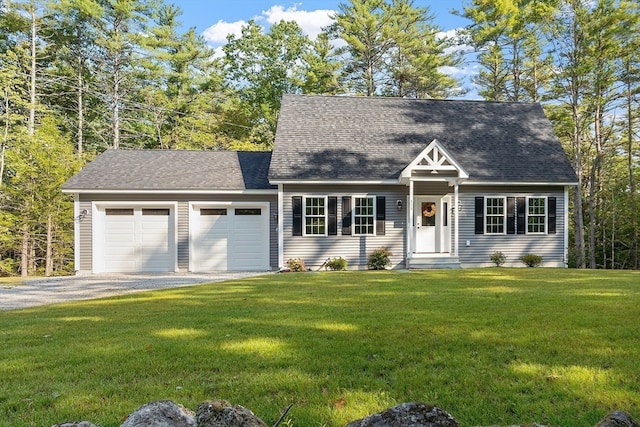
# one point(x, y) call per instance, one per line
point(43, 291)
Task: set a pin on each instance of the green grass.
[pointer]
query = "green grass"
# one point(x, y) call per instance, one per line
point(11, 281)
point(490, 346)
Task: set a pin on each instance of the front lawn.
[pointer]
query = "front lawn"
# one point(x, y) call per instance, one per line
point(490, 346)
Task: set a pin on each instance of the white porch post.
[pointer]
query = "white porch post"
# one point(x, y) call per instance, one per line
point(410, 231)
point(280, 230)
point(455, 217)
point(76, 232)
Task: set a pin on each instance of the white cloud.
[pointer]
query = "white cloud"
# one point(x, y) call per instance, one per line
point(311, 22)
point(217, 33)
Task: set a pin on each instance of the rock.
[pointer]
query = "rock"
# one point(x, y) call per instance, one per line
point(76, 424)
point(410, 414)
point(618, 419)
point(220, 413)
point(162, 413)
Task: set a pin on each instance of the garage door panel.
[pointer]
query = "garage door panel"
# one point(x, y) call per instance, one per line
point(138, 240)
point(231, 238)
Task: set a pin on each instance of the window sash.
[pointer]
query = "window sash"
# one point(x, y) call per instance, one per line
point(536, 215)
point(315, 216)
point(364, 216)
point(495, 215)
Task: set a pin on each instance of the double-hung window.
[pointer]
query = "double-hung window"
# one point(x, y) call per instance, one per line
point(495, 215)
point(315, 216)
point(364, 218)
point(536, 215)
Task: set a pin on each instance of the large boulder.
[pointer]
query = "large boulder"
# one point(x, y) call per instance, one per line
point(220, 413)
point(618, 419)
point(410, 414)
point(162, 413)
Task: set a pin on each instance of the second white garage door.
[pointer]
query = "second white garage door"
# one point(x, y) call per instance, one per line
point(229, 237)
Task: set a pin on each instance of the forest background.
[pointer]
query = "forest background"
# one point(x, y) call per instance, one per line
point(78, 77)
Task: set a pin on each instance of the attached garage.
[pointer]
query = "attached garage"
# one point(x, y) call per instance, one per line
point(232, 236)
point(134, 239)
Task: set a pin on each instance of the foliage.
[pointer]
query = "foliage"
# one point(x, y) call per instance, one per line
point(498, 258)
point(379, 259)
point(337, 264)
point(531, 260)
point(296, 265)
point(491, 346)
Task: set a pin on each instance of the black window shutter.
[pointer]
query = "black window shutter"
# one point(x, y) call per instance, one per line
point(521, 212)
point(511, 215)
point(346, 215)
point(296, 203)
point(480, 215)
point(332, 227)
point(551, 216)
point(380, 215)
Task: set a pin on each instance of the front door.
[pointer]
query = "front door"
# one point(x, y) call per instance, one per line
point(432, 232)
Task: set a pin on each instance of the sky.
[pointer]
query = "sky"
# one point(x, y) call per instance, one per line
point(214, 19)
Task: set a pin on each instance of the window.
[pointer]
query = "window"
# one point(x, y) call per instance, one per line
point(212, 212)
point(364, 216)
point(536, 215)
point(247, 212)
point(315, 220)
point(494, 215)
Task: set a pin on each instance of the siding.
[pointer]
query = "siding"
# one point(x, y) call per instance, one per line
point(481, 246)
point(183, 200)
point(314, 250)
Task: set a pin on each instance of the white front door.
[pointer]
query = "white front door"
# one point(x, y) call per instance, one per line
point(432, 224)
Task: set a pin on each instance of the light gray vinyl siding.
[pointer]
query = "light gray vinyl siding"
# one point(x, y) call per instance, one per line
point(315, 250)
point(86, 239)
point(481, 246)
point(183, 220)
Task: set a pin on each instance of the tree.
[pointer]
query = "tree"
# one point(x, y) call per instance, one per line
point(321, 68)
point(262, 67)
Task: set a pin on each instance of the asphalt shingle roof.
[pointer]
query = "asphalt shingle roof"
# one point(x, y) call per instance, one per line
point(358, 138)
point(174, 170)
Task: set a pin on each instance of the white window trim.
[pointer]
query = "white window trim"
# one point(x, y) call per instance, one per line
point(545, 216)
point(304, 215)
point(504, 215)
point(353, 214)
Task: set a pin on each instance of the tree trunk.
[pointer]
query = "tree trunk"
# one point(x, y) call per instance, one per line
point(5, 136)
point(48, 270)
point(24, 250)
point(32, 84)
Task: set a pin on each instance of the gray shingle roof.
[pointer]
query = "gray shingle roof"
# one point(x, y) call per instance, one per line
point(357, 138)
point(174, 170)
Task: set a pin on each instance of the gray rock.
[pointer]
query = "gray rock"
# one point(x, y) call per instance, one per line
point(162, 413)
point(410, 414)
point(220, 413)
point(618, 419)
point(76, 424)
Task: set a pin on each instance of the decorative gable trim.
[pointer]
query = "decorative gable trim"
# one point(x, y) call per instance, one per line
point(435, 159)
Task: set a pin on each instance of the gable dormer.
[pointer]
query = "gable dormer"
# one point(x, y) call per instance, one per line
point(434, 162)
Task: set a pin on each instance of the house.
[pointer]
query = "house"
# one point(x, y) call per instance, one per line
point(441, 183)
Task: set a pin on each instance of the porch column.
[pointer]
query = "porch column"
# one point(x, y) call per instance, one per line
point(455, 217)
point(410, 233)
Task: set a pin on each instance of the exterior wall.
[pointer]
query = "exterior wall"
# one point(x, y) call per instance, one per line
point(315, 250)
point(183, 200)
point(475, 249)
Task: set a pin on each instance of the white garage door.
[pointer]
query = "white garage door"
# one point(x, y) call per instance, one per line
point(230, 238)
point(137, 240)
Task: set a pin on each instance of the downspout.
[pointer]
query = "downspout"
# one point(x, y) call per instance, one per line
point(565, 226)
point(76, 232)
point(280, 229)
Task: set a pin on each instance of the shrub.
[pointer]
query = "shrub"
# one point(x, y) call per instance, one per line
point(379, 259)
point(337, 264)
point(531, 260)
point(498, 258)
point(296, 264)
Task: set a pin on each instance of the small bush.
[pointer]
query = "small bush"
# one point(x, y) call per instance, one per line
point(379, 259)
point(296, 264)
point(498, 258)
point(337, 264)
point(531, 260)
